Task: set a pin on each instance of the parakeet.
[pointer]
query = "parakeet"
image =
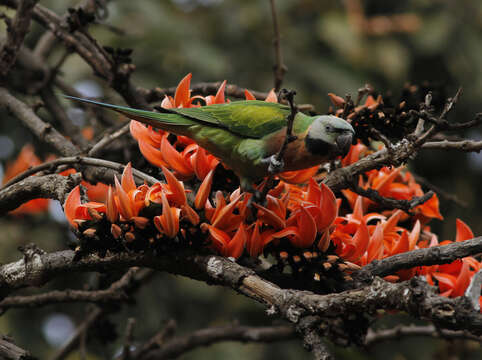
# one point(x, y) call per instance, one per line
point(244, 135)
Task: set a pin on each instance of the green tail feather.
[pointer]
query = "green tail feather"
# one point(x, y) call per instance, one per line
point(150, 117)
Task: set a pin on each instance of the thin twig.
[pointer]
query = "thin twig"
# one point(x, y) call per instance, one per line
point(73, 342)
point(43, 131)
point(399, 332)
point(107, 139)
point(80, 160)
point(439, 191)
point(129, 338)
point(179, 345)
point(279, 69)
point(115, 293)
point(464, 145)
point(405, 205)
point(157, 340)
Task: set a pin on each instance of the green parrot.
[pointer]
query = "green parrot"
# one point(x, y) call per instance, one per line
point(245, 135)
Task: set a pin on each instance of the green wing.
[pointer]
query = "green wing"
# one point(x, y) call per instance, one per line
point(250, 118)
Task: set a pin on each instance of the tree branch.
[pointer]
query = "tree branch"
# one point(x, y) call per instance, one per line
point(443, 254)
point(79, 160)
point(391, 203)
point(115, 292)
point(49, 187)
point(10, 351)
point(279, 69)
point(16, 32)
point(464, 145)
point(73, 342)
point(375, 337)
point(416, 297)
point(43, 131)
point(181, 344)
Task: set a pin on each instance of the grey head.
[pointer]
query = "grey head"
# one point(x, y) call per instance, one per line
point(329, 135)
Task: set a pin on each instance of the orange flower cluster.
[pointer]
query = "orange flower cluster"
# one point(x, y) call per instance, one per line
point(302, 220)
point(361, 237)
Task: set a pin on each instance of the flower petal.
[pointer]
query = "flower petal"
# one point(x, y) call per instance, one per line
point(204, 191)
point(182, 95)
point(71, 204)
point(463, 231)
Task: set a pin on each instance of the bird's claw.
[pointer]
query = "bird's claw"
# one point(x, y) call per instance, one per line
point(275, 165)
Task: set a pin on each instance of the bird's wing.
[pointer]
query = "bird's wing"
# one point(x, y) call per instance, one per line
point(249, 119)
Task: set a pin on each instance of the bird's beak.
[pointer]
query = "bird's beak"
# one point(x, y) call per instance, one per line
point(343, 141)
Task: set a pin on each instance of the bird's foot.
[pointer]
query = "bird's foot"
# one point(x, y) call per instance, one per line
point(275, 165)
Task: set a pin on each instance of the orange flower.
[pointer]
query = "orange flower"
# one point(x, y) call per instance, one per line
point(76, 212)
point(227, 246)
point(168, 222)
point(25, 159)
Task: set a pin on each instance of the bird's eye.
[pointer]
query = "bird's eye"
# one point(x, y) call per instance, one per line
point(328, 128)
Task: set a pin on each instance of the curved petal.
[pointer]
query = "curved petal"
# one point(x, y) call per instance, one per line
point(463, 231)
point(219, 99)
point(175, 186)
point(151, 154)
point(360, 240)
point(402, 245)
point(125, 206)
point(127, 180)
point(248, 95)
point(306, 228)
point(271, 97)
point(328, 207)
point(255, 243)
point(235, 247)
point(182, 95)
point(204, 191)
point(174, 159)
point(375, 246)
point(71, 204)
point(111, 208)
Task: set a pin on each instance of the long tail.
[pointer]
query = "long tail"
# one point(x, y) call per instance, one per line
point(156, 119)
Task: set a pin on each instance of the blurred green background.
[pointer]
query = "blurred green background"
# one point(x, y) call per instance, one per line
point(328, 46)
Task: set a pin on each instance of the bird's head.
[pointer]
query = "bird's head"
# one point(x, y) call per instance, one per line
point(328, 132)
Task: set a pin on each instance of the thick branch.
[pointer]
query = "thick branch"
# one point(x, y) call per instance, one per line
point(416, 297)
point(421, 257)
point(181, 344)
point(43, 131)
point(342, 178)
point(49, 186)
point(10, 351)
